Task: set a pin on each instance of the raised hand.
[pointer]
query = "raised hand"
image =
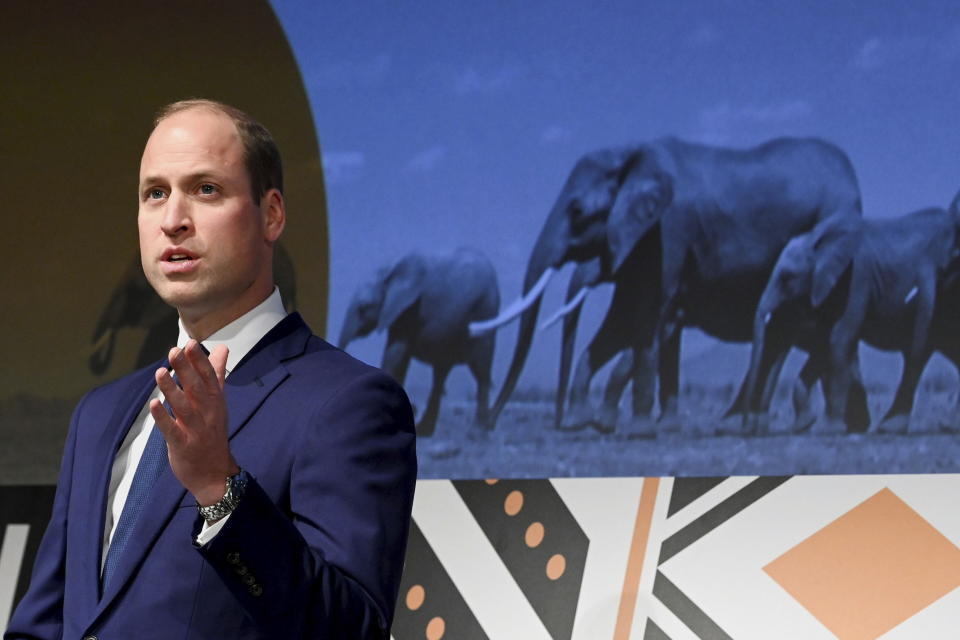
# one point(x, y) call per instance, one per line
point(197, 433)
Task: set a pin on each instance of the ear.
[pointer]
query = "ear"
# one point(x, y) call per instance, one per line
point(837, 241)
point(644, 195)
point(402, 288)
point(274, 214)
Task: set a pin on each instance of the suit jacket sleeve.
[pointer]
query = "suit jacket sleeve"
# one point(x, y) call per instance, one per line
point(329, 564)
point(39, 616)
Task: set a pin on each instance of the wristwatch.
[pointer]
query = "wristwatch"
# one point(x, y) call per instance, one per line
point(236, 486)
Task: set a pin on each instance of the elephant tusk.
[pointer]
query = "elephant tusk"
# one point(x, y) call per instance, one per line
point(515, 309)
point(575, 302)
point(766, 318)
point(911, 295)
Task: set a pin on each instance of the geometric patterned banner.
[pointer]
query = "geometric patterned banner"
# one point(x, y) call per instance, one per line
point(748, 558)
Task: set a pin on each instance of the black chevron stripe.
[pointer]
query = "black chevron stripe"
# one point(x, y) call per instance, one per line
point(686, 490)
point(653, 632)
point(718, 515)
point(686, 610)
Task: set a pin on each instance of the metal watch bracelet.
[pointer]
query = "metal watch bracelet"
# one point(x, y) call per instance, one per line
point(236, 485)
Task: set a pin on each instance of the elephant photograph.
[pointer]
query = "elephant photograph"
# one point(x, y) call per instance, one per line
point(425, 304)
point(688, 235)
point(639, 181)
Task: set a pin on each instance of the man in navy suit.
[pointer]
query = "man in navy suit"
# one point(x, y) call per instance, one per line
point(276, 503)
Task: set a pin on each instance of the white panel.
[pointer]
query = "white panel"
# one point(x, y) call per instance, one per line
point(11, 557)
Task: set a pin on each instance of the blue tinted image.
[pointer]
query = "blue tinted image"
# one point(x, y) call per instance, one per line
point(695, 238)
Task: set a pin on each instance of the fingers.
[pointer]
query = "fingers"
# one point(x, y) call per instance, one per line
point(174, 395)
point(194, 370)
point(167, 425)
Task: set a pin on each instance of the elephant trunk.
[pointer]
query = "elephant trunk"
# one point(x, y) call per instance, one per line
point(102, 353)
point(570, 322)
point(348, 332)
point(547, 253)
point(760, 323)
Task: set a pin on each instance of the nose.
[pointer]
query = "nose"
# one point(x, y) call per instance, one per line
point(176, 215)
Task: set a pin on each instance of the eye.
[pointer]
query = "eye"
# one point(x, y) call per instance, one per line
point(207, 189)
point(155, 194)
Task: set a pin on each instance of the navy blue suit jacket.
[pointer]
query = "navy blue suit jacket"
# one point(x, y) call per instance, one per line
point(315, 548)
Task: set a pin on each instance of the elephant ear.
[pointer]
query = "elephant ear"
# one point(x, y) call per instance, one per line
point(404, 285)
point(836, 242)
point(644, 195)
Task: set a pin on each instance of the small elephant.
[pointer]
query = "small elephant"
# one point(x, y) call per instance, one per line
point(899, 294)
point(426, 302)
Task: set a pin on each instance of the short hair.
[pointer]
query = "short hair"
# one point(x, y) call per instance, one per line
point(260, 152)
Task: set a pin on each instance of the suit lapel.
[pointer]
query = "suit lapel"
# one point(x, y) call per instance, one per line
point(261, 370)
point(128, 401)
point(246, 388)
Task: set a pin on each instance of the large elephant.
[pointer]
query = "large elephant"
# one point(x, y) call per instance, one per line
point(901, 293)
point(133, 304)
point(689, 234)
point(426, 303)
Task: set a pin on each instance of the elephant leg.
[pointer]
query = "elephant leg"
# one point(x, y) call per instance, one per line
point(480, 366)
point(803, 415)
point(838, 381)
point(428, 421)
point(619, 379)
point(951, 422)
point(759, 415)
point(857, 415)
point(602, 348)
point(567, 342)
point(396, 359)
point(644, 390)
point(669, 361)
point(751, 415)
point(897, 418)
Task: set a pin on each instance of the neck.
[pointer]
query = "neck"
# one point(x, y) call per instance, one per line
point(202, 325)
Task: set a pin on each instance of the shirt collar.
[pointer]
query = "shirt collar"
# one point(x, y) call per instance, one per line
point(242, 334)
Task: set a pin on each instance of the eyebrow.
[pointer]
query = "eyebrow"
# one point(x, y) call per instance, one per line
point(192, 177)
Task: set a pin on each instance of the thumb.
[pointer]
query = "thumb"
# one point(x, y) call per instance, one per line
point(218, 358)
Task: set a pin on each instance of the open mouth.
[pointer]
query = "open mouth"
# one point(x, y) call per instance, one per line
point(178, 261)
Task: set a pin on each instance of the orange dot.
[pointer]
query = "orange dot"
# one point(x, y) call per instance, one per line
point(513, 503)
point(556, 565)
point(534, 535)
point(491, 481)
point(415, 597)
point(435, 628)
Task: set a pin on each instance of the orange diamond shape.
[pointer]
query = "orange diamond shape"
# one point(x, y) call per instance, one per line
point(870, 569)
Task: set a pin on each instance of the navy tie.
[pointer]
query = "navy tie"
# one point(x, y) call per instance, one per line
point(152, 463)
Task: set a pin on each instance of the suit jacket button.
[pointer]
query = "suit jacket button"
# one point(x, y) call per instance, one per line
point(233, 557)
point(241, 569)
point(249, 579)
point(256, 590)
point(89, 637)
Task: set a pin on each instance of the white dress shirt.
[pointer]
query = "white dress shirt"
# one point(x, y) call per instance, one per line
point(239, 336)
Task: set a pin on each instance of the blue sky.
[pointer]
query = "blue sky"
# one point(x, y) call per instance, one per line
point(450, 123)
